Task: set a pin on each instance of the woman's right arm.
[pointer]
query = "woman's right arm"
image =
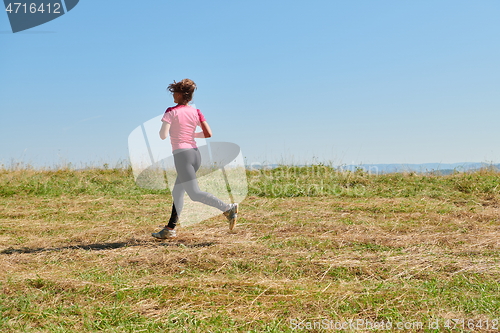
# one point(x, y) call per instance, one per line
point(165, 128)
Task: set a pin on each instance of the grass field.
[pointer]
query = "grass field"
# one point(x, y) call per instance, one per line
point(314, 249)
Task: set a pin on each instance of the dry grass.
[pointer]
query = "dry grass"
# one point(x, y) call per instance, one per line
point(86, 262)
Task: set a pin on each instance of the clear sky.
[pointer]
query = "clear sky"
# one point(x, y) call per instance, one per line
point(289, 81)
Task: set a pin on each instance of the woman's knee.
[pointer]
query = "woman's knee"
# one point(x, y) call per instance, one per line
point(195, 195)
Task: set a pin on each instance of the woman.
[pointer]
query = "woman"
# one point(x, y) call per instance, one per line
point(180, 122)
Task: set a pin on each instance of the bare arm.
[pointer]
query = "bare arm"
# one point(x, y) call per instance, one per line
point(165, 128)
point(207, 132)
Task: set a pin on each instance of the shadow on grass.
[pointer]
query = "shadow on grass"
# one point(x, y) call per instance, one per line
point(107, 246)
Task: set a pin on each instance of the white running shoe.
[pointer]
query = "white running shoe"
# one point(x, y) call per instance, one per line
point(164, 234)
point(232, 215)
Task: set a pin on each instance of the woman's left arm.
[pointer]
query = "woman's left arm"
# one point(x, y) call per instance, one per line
point(165, 128)
point(207, 132)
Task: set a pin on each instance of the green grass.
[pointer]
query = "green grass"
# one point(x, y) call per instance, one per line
point(312, 244)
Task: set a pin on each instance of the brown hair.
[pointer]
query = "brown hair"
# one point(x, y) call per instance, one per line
point(186, 87)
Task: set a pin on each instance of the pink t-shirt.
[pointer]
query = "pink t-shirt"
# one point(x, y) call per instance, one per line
point(183, 120)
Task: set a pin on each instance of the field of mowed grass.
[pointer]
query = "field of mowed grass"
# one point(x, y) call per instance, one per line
point(315, 249)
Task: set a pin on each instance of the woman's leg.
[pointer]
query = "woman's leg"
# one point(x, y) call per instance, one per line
point(177, 192)
point(187, 162)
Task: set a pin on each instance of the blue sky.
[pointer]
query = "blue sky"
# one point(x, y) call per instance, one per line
point(289, 81)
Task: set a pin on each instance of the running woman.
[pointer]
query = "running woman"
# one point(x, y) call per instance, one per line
point(180, 122)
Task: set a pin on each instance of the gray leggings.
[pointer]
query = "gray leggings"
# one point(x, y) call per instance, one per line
point(187, 162)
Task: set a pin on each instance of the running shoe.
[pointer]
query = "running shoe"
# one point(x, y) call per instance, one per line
point(164, 234)
point(232, 215)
